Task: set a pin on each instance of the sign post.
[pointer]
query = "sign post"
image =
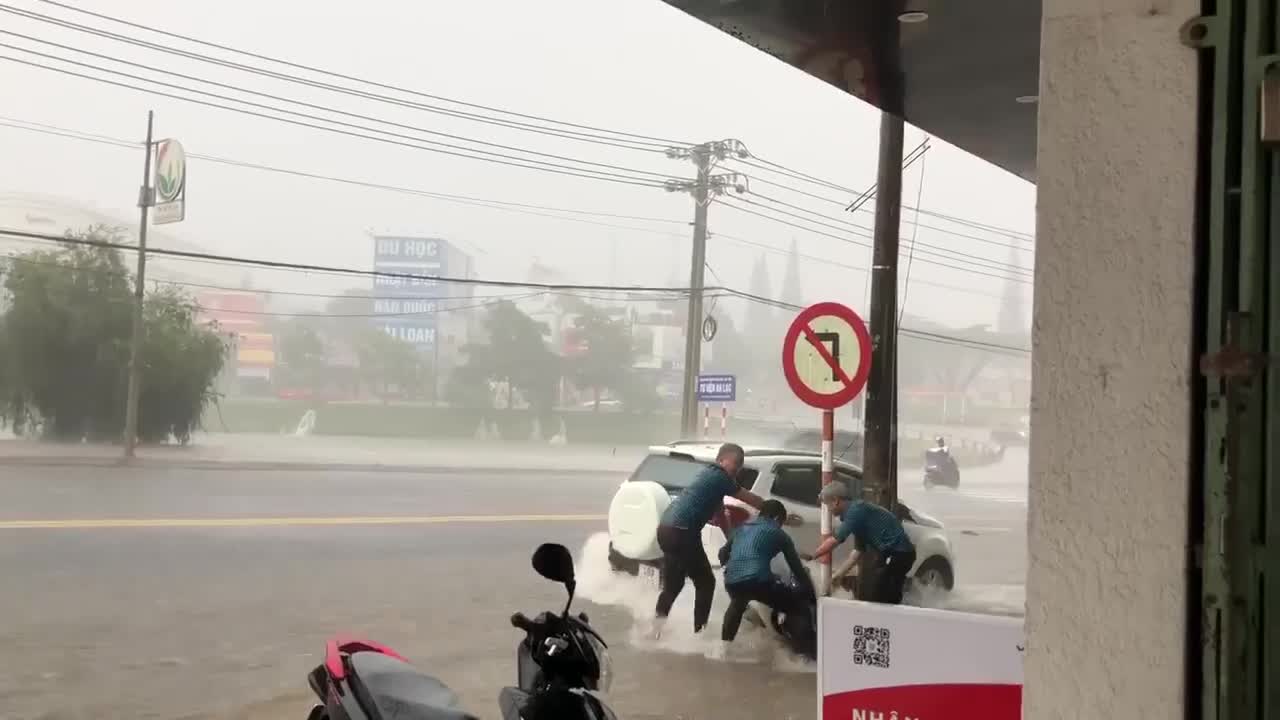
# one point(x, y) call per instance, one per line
point(712, 389)
point(826, 357)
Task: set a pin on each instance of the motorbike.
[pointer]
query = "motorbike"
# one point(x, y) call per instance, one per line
point(940, 468)
point(562, 664)
point(798, 630)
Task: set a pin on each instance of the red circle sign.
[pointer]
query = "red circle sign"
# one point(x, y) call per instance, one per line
point(802, 330)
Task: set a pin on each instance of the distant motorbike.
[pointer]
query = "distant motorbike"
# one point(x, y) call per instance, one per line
point(561, 664)
point(940, 468)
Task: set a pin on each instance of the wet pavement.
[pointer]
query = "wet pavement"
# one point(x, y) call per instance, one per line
point(202, 620)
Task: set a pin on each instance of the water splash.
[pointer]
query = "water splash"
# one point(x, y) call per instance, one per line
point(601, 585)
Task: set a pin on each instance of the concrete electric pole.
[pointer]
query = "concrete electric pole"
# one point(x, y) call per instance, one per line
point(704, 188)
point(880, 461)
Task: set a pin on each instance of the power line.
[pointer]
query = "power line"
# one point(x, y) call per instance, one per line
point(762, 164)
point(906, 285)
point(488, 203)
point(733, 202)
point(1022, 246)
point(867, 232)
point(805, 177)
point(291, 101)
point(909, 332)
point(306, 267)
point(720, 291)
point(440, 147)
point(655, 144)
point(565, 130)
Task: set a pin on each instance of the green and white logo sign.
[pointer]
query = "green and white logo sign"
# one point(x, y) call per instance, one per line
point(170, 182)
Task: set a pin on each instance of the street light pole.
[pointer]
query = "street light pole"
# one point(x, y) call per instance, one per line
point(145, 199)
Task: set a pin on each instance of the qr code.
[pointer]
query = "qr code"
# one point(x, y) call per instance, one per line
point(871, 646)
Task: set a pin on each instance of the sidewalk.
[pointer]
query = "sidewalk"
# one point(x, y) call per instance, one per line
point(270, 452)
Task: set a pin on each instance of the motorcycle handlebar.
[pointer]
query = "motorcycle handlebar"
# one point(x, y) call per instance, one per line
point(520, 622)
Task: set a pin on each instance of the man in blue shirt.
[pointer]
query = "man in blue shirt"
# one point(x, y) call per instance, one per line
point(748, 575)
point(680, 533)
point(875, 528)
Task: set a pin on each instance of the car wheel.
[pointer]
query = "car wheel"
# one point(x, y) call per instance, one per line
point(618, 563)
point(935, 573)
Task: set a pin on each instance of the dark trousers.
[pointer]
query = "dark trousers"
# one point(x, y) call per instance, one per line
point(891, 576)
point(770, 592)
point(684, 557)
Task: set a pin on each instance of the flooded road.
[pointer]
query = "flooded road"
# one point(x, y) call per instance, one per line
point(206, 605)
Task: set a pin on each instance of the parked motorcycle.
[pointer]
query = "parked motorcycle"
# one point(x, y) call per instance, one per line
point(561, 665)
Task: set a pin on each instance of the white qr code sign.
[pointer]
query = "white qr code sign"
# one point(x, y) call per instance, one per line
point(878, 662)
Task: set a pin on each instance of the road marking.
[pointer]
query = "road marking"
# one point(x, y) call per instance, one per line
point(134, 523)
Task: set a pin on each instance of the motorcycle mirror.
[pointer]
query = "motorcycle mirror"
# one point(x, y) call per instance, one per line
point(794, 520)
point(553, 562)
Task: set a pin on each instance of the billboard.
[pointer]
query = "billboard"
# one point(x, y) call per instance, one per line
point(239, 316)
point(407, 307)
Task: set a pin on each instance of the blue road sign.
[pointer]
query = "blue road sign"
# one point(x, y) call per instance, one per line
point(717, 388)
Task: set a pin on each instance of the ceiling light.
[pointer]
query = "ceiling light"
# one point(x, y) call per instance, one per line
point(1027, 99)
point(911, 17)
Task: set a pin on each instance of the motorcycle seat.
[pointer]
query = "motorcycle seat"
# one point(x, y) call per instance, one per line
point(398, 690)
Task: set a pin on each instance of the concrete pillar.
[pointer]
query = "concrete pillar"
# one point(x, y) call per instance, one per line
point(1111, 404)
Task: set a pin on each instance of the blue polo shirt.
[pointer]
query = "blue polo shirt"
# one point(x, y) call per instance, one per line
point(874, 526)
point(755, 544)
point(693, 508)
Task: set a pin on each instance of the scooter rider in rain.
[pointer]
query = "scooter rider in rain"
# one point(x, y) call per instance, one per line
point(680, 534)
point(875, 528)
point(748, 577)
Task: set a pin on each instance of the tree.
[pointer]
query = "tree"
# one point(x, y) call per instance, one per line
point(730, 352)
point(792, 291)
point(302, 354)
point(516, 354)
point(181, 362)
point(606, 357)
point(65, 345)
point(386, 361)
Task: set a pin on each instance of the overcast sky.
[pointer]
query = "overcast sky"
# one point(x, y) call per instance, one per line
point(632, 65)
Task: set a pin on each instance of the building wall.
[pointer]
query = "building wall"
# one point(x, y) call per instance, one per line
point(1106, 586)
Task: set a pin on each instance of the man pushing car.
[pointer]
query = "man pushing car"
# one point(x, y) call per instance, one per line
point(876, 529)
point(680, 533)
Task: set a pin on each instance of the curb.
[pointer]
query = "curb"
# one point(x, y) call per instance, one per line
point(280, 466)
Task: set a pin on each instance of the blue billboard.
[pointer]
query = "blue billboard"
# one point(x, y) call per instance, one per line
point(409, 295)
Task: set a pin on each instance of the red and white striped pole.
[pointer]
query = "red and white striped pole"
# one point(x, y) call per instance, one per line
point(828, 475)
point(706, 421)
point(724, 420)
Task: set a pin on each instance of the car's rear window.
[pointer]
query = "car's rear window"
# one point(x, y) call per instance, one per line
point(674, 472)
point(677, 472)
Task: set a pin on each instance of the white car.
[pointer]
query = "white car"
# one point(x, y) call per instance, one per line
point(792, 477)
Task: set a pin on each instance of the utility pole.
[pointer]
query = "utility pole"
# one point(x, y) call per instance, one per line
point(880, 433)
point(704, 188)
point(135, 352)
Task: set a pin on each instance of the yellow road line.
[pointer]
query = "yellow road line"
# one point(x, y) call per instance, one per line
point(124, 523)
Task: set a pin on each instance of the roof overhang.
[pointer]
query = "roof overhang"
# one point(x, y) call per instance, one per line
point(967, 72)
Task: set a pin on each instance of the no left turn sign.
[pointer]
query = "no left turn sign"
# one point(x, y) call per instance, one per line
point(826, 355)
